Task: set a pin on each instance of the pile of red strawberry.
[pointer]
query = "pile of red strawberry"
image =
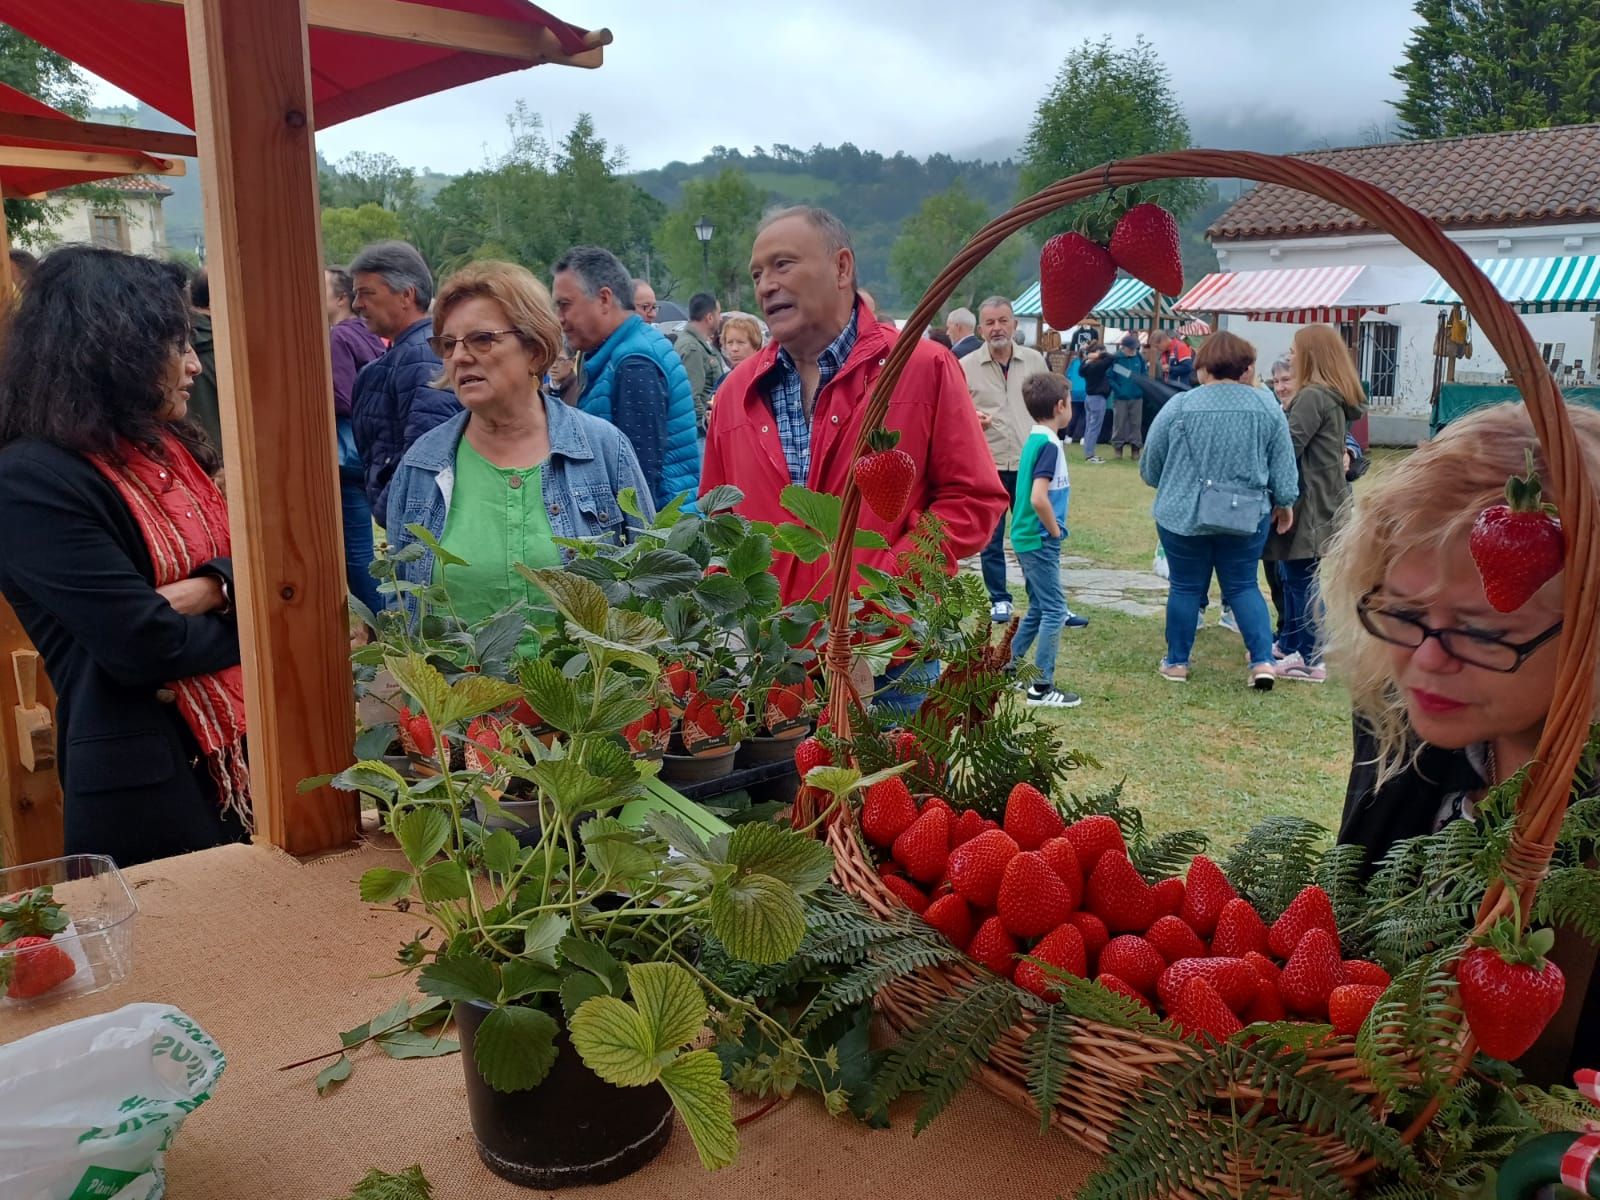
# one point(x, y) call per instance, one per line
point(31, 964)
point(1068, 895)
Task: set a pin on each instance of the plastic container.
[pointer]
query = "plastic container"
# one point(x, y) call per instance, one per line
point(100, 910)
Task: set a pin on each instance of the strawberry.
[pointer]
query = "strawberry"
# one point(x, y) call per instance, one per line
point(1518, 546)
point(1235, 980)
point(885, 475)
point(416, 730)
point(786, 705)
point(924, 848)
point(951, 916)
point(1509, 991)
point(1168, 894)
point(1134, 960)
point(1145, 245)
point(906, 747)
point(1266, 1006)
point(1095, 933)
point(811, 753)
point(1074, 273)
point(940, 802)
point(1032, 899)
point(1063, 859)
point(1311, 909)
point(909, 893)
point(1175, 939)
point(1311, 973)
point(1093, 836)
point(706, 719)
point(1062, 948)
point(1359, 970)
point(1200, 1011)
point(1119, 896)
point(1205, 895)
point(968, 826)
point(1122, 987)
point(1265, 967)
point(1349, 1004)
point(888, 811)
point(34, 965)
point(650, 733)
point(993, 947)
point(1030, 817)
point(977, 867)
point(1240, 930)
point(681, 683)
point(522, 713)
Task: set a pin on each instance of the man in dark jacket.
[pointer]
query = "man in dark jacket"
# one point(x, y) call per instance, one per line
point(203, 401)
point(394, 402)
point(351, 346)
point(695, 347)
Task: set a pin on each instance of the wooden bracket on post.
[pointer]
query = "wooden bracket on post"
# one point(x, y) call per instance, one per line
point(31, 825)
point(36, 731)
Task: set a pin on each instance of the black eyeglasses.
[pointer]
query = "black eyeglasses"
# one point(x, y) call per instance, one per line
point(1400, 627)
point(478, 341)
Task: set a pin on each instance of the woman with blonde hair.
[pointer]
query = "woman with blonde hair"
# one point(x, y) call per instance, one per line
point(1449, 696)
point(1327, 397)
point(516, 469)
point(740, 337)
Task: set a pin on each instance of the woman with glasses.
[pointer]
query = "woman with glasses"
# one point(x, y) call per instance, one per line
point(497, 484)
point(1450, 696)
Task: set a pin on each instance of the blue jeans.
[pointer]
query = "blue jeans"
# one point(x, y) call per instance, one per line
point(993, 558)
point(901, 690)
point(1299, 576)
point(1047, 608)
point(1094, 416)
point(358, 552)
point(1236, 561)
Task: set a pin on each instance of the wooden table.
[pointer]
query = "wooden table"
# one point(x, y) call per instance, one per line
point(273, 957)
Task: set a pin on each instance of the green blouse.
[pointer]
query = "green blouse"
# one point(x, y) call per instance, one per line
point(496, 520)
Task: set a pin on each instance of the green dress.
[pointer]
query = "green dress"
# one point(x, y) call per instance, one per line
point(496, 520)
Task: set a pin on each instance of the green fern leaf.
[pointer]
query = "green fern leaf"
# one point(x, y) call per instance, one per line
point(410, 1184)
point(1275, 861)
point(1048, 1054)
point(1166, 855)
point(1417, 1018)
point(1089, 1001)
point(1339, 873)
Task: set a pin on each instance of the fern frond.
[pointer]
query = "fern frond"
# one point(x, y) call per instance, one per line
point(866, 979)
point(1415, 1024)
point(941, 1054)
point(1581, 826)
point(1089, 1001)
point(410, 1184)
point(1048, 1054)
point(1570, 896)
point(1558, 1109)
point(1275, 861)
point(1339, 873)
point(1166, 854)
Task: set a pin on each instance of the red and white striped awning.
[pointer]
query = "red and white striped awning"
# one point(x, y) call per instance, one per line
point(1293, 295)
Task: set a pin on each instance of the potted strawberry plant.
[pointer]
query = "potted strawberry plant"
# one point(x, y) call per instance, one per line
point(572, 961)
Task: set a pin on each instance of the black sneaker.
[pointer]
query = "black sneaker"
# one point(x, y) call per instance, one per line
point(1049, 697)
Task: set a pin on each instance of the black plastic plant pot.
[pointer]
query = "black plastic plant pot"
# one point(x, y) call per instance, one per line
point(573, 1129)
point(697, 768)
point(761, 749)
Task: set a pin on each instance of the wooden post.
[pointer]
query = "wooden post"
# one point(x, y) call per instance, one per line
point(30, 801)
point(252, 88)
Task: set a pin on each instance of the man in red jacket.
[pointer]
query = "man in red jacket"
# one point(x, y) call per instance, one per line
point(792, 413)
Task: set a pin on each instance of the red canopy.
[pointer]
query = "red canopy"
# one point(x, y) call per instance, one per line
point(27, 181)
point(142, 48)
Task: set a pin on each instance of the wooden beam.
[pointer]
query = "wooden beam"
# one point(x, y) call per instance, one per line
point(31, 827)
point(448, 29)
point(90, 133)
point(88, 160)
point(252, 88)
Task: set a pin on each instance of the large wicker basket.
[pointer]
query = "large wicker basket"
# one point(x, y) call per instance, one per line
point(1110, 1064)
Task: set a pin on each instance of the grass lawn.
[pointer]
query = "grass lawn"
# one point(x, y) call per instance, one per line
point(1210, 754)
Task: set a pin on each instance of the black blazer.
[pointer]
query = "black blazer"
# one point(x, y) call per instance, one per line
point(74, 566)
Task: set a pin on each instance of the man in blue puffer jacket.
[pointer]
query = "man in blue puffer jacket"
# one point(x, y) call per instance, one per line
point(635, 378)
point(394, 402)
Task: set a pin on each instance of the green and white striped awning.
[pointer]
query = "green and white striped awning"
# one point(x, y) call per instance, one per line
point(1127, 306)
point(1536, 285)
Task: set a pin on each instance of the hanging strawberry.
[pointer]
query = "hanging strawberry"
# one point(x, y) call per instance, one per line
point(1518, 546)
point(885, 474)
point(1074, 274)
point(1145, 245)
point(1509, 991)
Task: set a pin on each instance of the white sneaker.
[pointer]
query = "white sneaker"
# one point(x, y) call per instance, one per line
point(1053, 698)
point(1227, 620)
point(1000, 612)
point(1296, 668)
point(1200, 621)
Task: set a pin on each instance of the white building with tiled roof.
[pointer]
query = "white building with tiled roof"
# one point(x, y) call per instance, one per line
point(1527, 194)
point(134, 224)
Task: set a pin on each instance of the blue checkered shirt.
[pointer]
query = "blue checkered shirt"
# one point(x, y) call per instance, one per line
point(786, 398)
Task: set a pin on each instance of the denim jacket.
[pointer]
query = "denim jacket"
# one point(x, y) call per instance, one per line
point(590, 463)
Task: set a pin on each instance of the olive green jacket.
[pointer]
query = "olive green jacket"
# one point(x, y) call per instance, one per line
point(1318, 418)
point(704, 366)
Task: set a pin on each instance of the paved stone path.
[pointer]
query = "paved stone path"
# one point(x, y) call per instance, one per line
point(1137, 593)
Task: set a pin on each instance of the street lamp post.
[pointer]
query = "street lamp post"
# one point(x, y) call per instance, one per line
point(703, 230)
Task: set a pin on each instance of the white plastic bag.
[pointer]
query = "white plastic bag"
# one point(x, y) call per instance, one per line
point(1158, 564)
point(88, 1109)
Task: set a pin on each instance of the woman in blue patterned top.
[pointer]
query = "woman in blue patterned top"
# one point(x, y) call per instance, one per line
point(1222, 464)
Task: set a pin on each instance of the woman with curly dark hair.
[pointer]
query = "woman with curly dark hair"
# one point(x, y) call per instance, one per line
point(115, 551)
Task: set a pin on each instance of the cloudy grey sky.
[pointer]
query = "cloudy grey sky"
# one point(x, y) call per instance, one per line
point(934, 75)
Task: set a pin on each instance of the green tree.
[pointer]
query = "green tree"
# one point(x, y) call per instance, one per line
point(1481, 66)
point(733, 206)
point(1107, 103)
point(932, 237)
point(45, 75)
point(361, 178)
point(346, 230)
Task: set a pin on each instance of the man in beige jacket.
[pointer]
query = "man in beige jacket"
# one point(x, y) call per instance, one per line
point(995, 372)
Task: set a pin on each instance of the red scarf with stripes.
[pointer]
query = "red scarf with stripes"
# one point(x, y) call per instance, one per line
point(185, 525)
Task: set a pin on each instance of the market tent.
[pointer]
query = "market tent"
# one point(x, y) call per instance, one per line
point(1293, 296)
point(1129, 304)
point(1535, 285)
point(42, 149)
point(141, 46)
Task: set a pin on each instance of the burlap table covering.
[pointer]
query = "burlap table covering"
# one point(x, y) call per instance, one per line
point(273, 957)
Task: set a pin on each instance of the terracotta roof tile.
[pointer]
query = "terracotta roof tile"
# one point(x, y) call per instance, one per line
point(143, 185)
point(1525, 177)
